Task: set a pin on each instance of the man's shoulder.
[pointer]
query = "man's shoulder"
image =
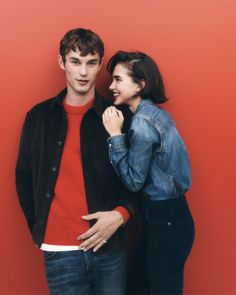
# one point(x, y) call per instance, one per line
point(126, 111)
point(43, 105)
point(106, 102)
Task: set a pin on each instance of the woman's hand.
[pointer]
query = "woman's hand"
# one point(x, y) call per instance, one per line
point(113, 121)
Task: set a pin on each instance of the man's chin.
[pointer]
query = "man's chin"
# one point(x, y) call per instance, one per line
point(82, 91)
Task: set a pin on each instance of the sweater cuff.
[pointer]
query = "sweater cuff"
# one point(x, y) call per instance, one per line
point(124, 212)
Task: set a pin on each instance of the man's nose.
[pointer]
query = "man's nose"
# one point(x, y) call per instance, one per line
point(83, 70)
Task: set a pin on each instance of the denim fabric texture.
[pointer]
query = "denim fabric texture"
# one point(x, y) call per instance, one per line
point(152, 156)
point(85, 273)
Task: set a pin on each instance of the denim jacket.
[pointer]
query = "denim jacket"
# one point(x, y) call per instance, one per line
point(153, 156)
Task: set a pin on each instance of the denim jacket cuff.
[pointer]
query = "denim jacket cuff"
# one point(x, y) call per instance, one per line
point(117, 143)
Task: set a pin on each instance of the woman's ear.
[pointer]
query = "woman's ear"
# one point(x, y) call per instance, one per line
point(141, 85)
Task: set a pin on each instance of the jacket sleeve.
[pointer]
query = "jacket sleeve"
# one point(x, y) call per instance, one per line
point(24, 176)
point(133, 164)
point(128, 199)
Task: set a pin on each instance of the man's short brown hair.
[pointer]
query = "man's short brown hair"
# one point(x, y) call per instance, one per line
point(85, 40)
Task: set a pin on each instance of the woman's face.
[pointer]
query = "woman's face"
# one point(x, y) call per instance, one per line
point(124, 89)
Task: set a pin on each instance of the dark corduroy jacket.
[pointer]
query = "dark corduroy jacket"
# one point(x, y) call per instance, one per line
point(41, 146)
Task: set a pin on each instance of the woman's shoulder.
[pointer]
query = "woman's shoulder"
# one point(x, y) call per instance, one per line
point(155, 115)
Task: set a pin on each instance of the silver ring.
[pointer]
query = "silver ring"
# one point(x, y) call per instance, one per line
point(104, 241)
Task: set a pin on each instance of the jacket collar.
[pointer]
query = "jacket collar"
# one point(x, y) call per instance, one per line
point(97, 105)
point(143, 103)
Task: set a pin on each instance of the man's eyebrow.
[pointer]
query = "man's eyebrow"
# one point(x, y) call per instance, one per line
point(116, 76)
point(95, 59)
point(90, 60)
point(73, 58)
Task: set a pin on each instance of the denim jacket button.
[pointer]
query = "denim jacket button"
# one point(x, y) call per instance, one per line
point(54, 169)
point(59, 143)
point(48, 195)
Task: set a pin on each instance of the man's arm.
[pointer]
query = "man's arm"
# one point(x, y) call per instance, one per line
point(23, 173)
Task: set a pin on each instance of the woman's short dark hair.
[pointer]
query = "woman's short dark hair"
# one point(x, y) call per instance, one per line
point(85, 40)
point(141, 67)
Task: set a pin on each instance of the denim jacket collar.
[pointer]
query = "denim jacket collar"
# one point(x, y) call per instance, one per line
point(142, 104)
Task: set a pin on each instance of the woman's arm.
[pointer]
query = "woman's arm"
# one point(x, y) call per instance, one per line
point(132, 164)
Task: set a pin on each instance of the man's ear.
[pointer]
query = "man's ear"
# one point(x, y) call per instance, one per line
point(61, 62)
point(100, 65)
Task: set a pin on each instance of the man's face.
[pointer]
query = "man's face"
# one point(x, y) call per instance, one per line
point(81, 71)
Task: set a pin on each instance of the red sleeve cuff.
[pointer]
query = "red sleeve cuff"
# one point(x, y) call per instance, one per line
point(124, 212)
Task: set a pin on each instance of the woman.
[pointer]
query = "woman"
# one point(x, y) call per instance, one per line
point(152, 157)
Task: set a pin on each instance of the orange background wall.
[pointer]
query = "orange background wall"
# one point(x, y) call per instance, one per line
point(194, 44)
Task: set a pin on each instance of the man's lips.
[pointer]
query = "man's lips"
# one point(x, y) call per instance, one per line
point(82, 82)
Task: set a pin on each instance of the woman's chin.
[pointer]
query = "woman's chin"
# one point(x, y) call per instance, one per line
point(117, 102)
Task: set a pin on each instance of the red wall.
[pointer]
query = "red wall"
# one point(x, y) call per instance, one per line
point(194, 45)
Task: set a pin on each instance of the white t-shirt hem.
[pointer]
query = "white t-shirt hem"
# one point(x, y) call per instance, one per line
point(57, 248)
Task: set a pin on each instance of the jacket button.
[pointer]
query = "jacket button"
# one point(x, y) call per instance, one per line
point(48, 195)
point(59, 143)
point(54, 168)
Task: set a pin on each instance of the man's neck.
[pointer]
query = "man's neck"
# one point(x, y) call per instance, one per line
point(76, 99)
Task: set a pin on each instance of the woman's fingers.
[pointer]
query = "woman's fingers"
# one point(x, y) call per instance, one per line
point(112, 112)
point(120, 114)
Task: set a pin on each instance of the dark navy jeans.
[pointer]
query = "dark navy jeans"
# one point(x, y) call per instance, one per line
point(79, 272)
point(170, 234)
point(163, 249)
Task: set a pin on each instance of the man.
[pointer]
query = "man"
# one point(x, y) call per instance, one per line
point(74, 203)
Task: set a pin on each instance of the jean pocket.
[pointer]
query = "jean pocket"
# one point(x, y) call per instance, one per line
point(49, 254)
point(159, 227)
point(157, 216)
point(160, 236)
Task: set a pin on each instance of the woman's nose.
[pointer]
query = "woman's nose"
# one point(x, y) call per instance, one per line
point(112, 87)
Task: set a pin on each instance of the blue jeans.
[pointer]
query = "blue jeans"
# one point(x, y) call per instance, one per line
point(79, 272)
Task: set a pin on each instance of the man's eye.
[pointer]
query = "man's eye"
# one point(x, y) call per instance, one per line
point(75, 62)
point(92, 63)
